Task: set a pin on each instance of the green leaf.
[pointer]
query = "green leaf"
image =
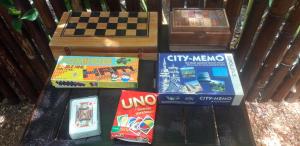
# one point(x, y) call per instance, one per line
point(30, 15)
point(14, 11)
point(6, 3)
point(17, 24)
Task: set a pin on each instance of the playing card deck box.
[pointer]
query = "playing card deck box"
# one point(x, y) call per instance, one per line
point(104, 33)
point(135, 117)
point(198, 29)
point(198, 78)
point(95, 72)
point(84, 118)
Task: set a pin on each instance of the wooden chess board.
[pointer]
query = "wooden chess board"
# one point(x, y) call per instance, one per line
point(106, 33)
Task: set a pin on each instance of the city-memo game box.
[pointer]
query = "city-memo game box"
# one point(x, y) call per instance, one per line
point(95, 72)
point(198, 78)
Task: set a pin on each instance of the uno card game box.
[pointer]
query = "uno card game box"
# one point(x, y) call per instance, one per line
point(84, 117)
point(198, 78)
point(95, 72)
point(135, 117)
point(199, 29)
point(104, 33)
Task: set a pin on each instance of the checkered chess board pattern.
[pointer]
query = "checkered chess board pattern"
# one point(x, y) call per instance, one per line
point(103, 24)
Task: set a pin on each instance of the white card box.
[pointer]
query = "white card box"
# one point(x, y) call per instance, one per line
point(84, 118)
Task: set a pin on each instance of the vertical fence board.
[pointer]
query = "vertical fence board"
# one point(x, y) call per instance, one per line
point(233, 9)
point(290, 80)
point(7, 92)
point(76, 5)
point(215, 3)
point(279, 74)
point(21, 59)
point(37, 34)
point(133, 5)
point(176, 4)
point(45, 15)
point(25, 44)
point(193, 3)
point(294, 95)
point(95, 5)
point(154, 5)
point(277, 52)
point(10, 71)
point(114, 5)
point(252, 23)
point(58, 7)
point(264, 41)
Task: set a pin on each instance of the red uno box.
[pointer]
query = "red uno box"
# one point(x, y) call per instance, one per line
point(135, 117)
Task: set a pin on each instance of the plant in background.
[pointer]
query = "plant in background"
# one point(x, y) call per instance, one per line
point(18, 16)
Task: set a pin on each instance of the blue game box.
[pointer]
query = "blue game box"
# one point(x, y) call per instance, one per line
point(198, 78)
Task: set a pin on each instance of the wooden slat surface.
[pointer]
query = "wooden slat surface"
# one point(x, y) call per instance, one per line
point(77, 5)
point(26, 59)
point(95, 5)
point(294, 94)
point(58, 7)
point(282, 70)
point(277, 52)
point(288, 82)
point(14, 77)
point(45, 15)
point(252, 22)
point(114, 5)
point(133, 5)
point(37, 34)
point(233, 9)
point(7, 92)
point(264, 41)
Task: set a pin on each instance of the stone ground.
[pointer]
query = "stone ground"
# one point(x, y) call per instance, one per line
point(275, 124)
point(13, 121)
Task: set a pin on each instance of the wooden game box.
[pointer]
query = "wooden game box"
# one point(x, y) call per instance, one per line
point(104, 33)
point(198, 29)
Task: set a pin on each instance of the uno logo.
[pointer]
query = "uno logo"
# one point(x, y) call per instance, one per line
point(141, 101)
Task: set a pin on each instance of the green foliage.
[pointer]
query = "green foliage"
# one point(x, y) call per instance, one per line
point(17, 25)
point(30, 15)
point(18, 17)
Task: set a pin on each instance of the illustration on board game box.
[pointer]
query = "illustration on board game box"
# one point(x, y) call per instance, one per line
point(135, 117)
point(84, 117)
point(95, 72)
point(198, 78)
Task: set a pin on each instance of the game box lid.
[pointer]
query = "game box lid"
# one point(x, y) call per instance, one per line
point(203, 20)
point(95, 72)
point(87, 33)
point(198, 78)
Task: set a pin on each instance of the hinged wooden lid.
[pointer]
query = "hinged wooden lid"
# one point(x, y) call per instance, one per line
point(198, 20)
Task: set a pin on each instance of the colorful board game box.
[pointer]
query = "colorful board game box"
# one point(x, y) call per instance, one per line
point(84, 117)
point(95, 72)
point(135, 117)
point(198, 78)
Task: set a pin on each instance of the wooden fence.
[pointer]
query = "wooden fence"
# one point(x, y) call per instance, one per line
point(266, 53)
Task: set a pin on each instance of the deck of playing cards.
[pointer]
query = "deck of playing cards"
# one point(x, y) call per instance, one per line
point(84, 117)
point(134, 120)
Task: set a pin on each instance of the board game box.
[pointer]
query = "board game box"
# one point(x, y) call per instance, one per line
point(135, 117)
point(105, 33)
point(192, 28)
point(95, 72)
point(198, 78)
point(84, 118)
